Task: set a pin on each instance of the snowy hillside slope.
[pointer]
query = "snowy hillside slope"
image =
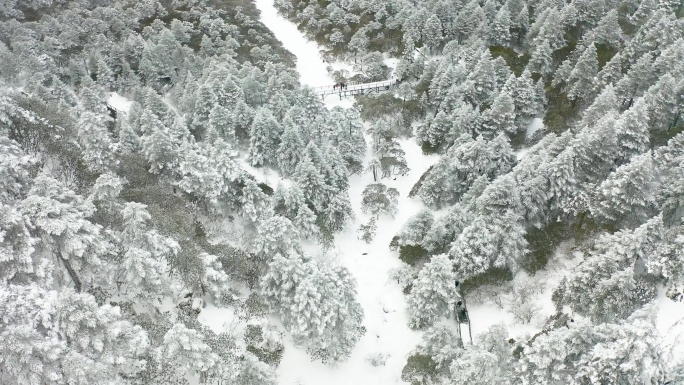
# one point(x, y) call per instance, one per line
point(378, 358)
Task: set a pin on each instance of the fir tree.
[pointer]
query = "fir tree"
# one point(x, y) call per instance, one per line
point(316, 302)
point(291, 149)
point(264, 135)
point(433, 293)
point(581, 79)
point(628, 193)
point(606, 286)
point(632, 130)
point(500, 29)
point(500, 117)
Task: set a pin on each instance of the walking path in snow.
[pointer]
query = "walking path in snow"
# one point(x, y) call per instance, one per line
point(312, 70)
point(387, 335)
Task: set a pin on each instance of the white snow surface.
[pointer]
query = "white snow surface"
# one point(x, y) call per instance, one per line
point(119, 102)
point(535, 125)
point(670, 324)
point(310, 64)
point(382, 300)
point(265, 174)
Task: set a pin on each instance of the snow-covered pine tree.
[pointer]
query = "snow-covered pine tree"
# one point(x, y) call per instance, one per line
point(606, 287)
point(205, 100)
point(377, 198)
point(464, 162)
point(184, 351)
point(495, 238)
point(664, 100)
point(414, 230)
point(500, 117)
point(608, 30)
point(221, 124)
point(442, 342)
point(316, 301)
point(143, 271)
point(445, 229)
point(581, 79)
point(500, 28)
point(433, 294)
point(291, 148)
point(625, 352)
point(61, 218)
point(264, 138)
point(434, 130)
point(628, 195)
point(432, 32)
point(488, 361)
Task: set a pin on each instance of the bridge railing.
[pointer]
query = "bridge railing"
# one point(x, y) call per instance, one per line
point(329, 87)
point(350, 88)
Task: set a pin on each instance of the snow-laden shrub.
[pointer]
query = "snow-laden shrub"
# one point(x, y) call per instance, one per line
point(377, 359)
point(216, 281)
point(265, 342)
point(419, 369)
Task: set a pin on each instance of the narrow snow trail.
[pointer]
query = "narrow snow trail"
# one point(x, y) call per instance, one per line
point(312, 69)
point(388, 336)
point(310, 65)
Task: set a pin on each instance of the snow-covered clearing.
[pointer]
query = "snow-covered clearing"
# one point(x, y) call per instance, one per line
point(484, 312)
point(309, 61)
point(670, 324)
point(535, 125)
point(383, 301)
point(119, 102)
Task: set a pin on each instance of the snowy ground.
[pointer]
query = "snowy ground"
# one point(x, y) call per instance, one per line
point(383, 301)
point(535, 125)
point(670, 324)
point(119, 102)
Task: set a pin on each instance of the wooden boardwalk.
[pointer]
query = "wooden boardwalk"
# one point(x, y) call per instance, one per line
point(355, 89)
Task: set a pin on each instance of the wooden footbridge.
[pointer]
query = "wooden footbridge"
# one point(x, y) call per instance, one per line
point(355, 89)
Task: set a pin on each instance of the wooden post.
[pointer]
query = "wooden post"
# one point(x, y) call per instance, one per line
point(470, 329)
point(458, 324)
point(72, 273)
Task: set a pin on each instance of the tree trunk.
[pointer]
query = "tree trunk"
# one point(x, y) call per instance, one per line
point(674, 122)
point(582, 215)
point(71, 271)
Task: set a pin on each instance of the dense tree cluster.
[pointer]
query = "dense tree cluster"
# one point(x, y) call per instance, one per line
point(116, 225)
point(111, 220)
point(606, 79)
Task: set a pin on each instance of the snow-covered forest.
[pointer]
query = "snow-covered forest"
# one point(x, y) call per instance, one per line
point(179, 205)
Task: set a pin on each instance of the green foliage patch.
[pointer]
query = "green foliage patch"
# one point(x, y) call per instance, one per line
point(542, 243)
point(420, 369)
point(516, 62)
point(494, 276)
point(410, 254)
